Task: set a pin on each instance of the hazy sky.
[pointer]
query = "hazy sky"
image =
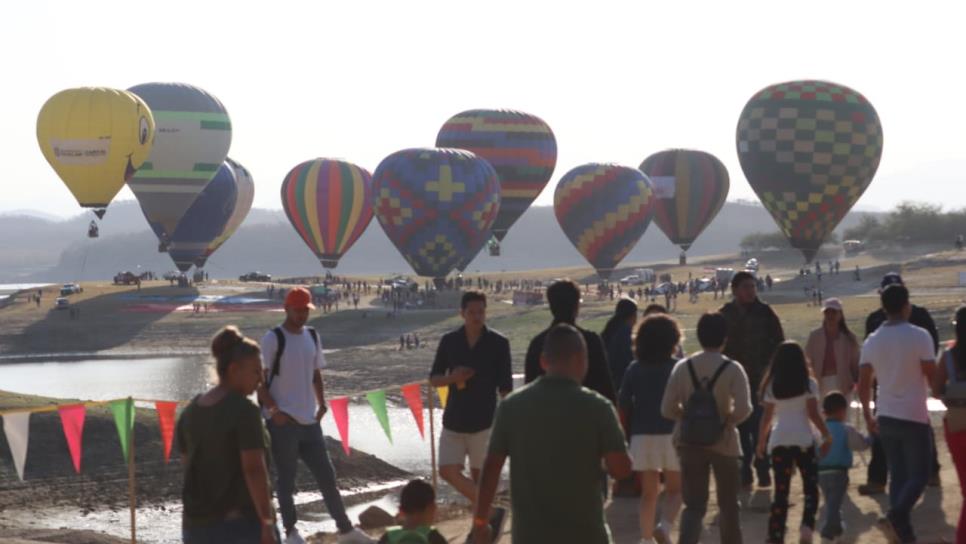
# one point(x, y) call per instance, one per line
point(616, 81)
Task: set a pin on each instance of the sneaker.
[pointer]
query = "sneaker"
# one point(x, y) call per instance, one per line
point(870, 489)
point(805, 535)
point(661, 534)
point(355, 536)
point(888, 530)
point(293, 537)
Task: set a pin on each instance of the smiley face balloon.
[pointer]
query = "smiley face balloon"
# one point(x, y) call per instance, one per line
point(95, 139)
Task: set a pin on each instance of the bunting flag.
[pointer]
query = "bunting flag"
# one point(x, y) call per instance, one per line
point(166, 411)
point(124, 420)
point(16, 427)
point(443, 393)
point(72, 420)
point(377, 399)
point(413, 393)
point(340, 412)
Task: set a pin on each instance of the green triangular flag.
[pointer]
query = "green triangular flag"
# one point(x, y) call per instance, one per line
point(124, 419)
point(377, 400)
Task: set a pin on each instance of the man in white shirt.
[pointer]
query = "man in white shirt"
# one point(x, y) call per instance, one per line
point(293, 399)
point(901, 358)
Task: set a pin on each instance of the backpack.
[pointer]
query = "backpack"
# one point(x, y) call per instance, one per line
point(280, 337)
point(701, 424)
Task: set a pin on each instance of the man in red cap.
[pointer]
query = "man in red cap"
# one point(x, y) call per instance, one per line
point(293, 399)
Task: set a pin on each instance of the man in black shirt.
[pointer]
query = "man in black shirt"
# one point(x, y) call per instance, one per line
point(878, 471)
point(564, 299)
point(474, 362)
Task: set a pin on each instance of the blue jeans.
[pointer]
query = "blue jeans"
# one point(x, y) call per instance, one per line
point(834, 484)
point(238, 531)
point(748, 435)
point(908, 449)
point(291, 442)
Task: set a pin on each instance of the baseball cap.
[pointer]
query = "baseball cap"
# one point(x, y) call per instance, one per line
point(832, 304)
point(299, 298)
point(892, 278)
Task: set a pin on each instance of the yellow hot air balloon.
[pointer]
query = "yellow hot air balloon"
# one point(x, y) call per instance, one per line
point(95, 139)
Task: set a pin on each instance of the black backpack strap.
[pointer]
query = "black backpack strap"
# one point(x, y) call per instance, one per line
point(315, 336)
point(279, 349)
point(694, 377)
point(717, 373)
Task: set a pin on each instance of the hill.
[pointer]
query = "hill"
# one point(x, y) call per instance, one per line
point(33, 248)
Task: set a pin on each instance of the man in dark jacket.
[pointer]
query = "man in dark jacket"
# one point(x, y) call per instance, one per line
point(564, 299)
point(754, 331)
point(878, 471)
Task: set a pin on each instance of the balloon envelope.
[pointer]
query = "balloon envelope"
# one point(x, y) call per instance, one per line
point(809, 150)
point(520, 147)
point(689, 189)
point(436, 205)
point(205, 219)
point(95, 139)
point(244, 196)
point(194, 134)
point(604, 210)
point(329, 202)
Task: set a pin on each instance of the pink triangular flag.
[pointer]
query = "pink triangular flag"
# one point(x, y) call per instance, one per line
point(16, 426)
point(340, 412)
point(166, 412)
point(413, 393)
point(72, 420)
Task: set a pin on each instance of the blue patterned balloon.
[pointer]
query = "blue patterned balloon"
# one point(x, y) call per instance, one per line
point(436, 205)
point(205, 219)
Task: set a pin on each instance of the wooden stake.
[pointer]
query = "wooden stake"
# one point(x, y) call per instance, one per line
point(432, 432)
point(132, 493)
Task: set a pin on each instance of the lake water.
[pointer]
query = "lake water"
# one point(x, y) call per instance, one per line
point(181, 378)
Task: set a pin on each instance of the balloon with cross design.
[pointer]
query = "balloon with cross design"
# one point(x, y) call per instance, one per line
point(437, 206)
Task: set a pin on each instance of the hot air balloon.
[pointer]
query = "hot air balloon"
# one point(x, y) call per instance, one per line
point(194, 134)
point(245, 195)
point(604, 209)
point(436, 205)
point(689, 189)
point(521, 148)
point(95, 139)
point(205, 219)
point(809, 150)
point(329, 202)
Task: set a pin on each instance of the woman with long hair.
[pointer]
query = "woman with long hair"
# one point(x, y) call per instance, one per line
point(617, 339)
point(950, 381)
point(652, 449)
point(833, 351)
point(790, 398)
point(223, 443)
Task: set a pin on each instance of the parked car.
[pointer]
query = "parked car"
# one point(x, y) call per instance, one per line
point(255, 276)
point(752, 265)
point(125, 278)
point(633, 279)
point(61, 303)
point(70, 289)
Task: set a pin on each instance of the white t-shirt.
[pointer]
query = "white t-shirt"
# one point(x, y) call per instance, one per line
point(896, 352)
point(292, 389)
point(792, 427)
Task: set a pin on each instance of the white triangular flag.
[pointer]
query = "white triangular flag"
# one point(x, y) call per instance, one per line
point(17, 428)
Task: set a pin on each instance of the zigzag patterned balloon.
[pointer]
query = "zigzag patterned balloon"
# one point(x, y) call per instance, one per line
point(809, 150)
point(520, 147)
point(604, 210)
point(436, 205)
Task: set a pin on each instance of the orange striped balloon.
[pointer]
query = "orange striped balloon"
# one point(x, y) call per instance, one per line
point(329, 202)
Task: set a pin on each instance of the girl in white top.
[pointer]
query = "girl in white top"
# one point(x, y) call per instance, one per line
point(790, 398)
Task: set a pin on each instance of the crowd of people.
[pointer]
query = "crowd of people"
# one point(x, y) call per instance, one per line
point(749, 407)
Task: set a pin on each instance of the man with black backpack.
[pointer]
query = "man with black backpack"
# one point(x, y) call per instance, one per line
point(708, 396)
point(293, 400)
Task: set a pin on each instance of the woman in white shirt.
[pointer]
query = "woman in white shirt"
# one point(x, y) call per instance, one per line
point(790, 398)
point(833, 351)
